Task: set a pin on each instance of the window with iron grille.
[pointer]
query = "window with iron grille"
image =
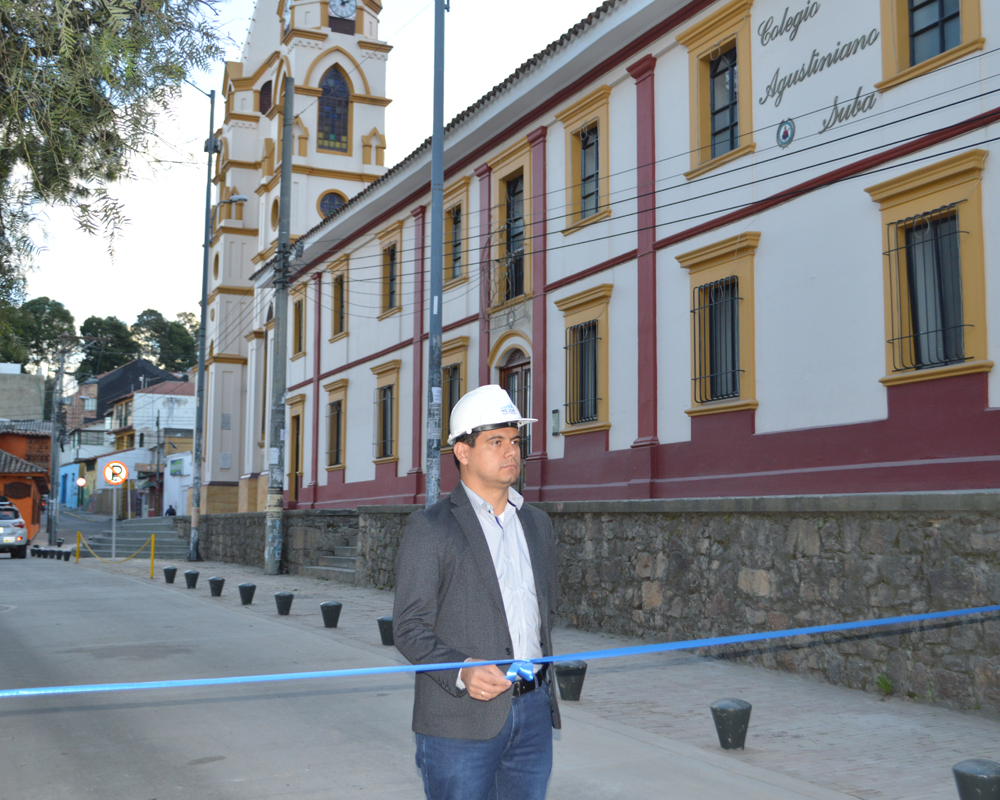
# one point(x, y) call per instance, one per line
point(339, 305)
point(590, 195)
point(925, 278)
point(334, 110)
point(514, 239)
point(334, 426)
point(384, 421)
point(716, 311)
point(935, 26)
point(456, 242)
point(451, 390)
point(581, 372)
point(389, 266)
point(722, 74)
point(265, 98)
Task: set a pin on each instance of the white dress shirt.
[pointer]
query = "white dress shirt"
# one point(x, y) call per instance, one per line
point(512, 562)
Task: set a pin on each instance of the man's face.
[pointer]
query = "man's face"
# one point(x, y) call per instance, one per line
point(495, 461)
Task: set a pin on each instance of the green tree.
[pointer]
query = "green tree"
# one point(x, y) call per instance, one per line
point(83, 82)
point(190, 322)
point(178, 348)
point(116, 346)
point(42, 322)
point(147, 330)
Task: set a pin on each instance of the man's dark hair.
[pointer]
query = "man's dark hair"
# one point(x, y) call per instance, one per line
point(465, 438)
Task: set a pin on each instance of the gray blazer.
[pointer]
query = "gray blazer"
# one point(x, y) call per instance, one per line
point(449, 608)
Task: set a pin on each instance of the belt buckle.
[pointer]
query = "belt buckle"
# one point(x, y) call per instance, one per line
point(521, 686)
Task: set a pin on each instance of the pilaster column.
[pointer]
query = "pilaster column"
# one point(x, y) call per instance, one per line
point(418, 341)
point(485, 175)
point(317, 286)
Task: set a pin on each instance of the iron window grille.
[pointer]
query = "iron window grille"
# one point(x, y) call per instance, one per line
point(389, 254)
point(451, 384)
point(334, 421)
point(339, 310)
point(935, 26)
point(334, 108)
point(725, 107)
point(265, 98)
point(925, 284)
point(516, 380)
point(590, 196)
point(513, 277)
point(456, 242)
point(384, 422)
point(581, 373)
point(716, 312)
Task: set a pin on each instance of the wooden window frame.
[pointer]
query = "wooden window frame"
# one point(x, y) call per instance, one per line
point(457, 195)
point(587, 111)
point(454, 352)
point(895, 21)
point(336, 391)
point(296, 406)
point(513, 162)
point(957, 179)
point(729, 27)
point(590, 304)
point(339, 269)
point(732, 257)
point(387, 374)
point(391, 236)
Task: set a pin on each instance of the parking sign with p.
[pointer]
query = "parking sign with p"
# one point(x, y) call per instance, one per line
point(115, 473)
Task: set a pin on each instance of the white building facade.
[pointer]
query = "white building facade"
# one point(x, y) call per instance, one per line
point(737, 248)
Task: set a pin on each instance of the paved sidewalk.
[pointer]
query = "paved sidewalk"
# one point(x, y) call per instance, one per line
point(806, 739)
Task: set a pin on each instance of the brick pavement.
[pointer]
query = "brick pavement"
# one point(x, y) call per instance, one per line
point(829, 736)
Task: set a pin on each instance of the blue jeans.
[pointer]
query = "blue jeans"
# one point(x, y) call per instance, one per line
point(513, 765)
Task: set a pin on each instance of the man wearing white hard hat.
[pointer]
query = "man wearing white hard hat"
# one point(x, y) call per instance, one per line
point(476, 581)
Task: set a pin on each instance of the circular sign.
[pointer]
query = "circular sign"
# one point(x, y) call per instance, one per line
point(786, 132)
point(115, 473)
point(81, 482)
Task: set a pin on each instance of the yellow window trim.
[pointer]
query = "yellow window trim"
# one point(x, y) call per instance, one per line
point(728, 27)
point(895, 19)
point(387, 374)
point(297, 356)
point(590, 304)
point(953, 180)
point(514, 161)
point(388, 236)
point(336, 269)
point(918, 375)
point(457, 195)
point(337, 390)
point(583, 113)
point(453, 352)
point(298, 295)
point(730, 257)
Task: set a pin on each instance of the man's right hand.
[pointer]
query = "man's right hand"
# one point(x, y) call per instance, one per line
point(484, 683)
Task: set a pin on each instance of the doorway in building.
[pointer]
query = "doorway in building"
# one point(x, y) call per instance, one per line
point(515, 378)
point(295, 459)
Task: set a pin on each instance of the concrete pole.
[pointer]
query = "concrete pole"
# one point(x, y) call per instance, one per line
point(211, 147)
point(52, 516)
point(433, 477)
point(273, 522)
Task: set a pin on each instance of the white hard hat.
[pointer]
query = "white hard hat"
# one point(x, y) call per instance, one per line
point(484, 407)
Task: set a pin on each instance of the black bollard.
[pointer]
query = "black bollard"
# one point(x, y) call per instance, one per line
point(34, 551)
point(569, 678)
point(331, 612)
point(977, 779)
point(191, 576)
point(732, 718)
point(215, 586)
point(246, 593)
point(67, 554)
point(284, 602)
point(385, 629)
point(169, 573)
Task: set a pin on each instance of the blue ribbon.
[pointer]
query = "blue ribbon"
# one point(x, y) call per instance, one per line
point(521, 669)
point(589, 655)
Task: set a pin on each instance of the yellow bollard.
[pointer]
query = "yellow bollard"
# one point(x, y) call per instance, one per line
point(152, 550)
point(78, 547)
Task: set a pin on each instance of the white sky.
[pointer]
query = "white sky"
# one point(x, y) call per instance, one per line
point(157, 259)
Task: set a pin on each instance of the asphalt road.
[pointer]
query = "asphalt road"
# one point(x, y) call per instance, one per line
point(62, 624)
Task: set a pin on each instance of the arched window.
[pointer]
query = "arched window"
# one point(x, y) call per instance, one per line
point(334, 107)
point(265, 98)
point(330, 202)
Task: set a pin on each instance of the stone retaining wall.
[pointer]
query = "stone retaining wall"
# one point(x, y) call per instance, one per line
point(379, 530)
point(233, 538)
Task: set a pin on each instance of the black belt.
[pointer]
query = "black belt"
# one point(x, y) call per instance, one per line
point(521, 686)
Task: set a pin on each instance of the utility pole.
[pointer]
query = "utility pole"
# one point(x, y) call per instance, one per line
point(158, 483)
point(273, 521)
point(212, 146)
point(52, 517)
point(433, 477)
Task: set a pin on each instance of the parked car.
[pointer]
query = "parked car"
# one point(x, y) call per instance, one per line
point(13, 534)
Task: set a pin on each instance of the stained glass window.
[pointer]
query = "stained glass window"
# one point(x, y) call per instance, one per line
point(334, 107)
